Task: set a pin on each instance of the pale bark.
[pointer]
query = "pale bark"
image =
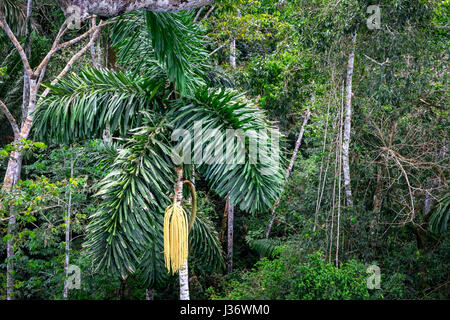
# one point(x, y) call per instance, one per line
point(233, 53)
point(112, 8)
point(11, 119)
point(26, 77)
point(95, 47)
point(67, 236)
point(338, 223)
point(197, 16)
point(230, 215)
point(337, 173)
point(347, 124)
point(149, 294)
point(209, 12)
point(184, 282)
point(183, 273)
point(322, 185)
point(289, 169)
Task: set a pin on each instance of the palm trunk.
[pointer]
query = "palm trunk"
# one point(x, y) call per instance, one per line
point(149, 294)
point(230, 214)
point(184, 271)
point(347, 125)
point(291, 165)
point(184, 282)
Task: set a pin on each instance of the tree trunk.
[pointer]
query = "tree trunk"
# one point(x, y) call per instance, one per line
point(230, 214)
point(95, 48)
point(184, 271)
point(9, 255)
point(67, 238)
point(291, 165)
point(223, 228)
point(233, 53)
point(12, 175)
point(149, 294)
point(347, 124)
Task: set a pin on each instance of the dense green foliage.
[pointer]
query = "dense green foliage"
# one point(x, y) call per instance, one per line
point(306, 278)
point(102, 141)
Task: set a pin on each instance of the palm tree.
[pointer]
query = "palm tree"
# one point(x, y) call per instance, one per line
point(162, 90)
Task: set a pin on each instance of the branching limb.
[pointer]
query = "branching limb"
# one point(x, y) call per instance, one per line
point(23, 56)
point(11, 119)
point(75, 58)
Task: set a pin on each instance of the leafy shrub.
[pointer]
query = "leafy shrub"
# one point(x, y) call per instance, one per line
point(291, 277)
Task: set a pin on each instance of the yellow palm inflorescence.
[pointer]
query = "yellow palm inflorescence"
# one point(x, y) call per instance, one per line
point(175, 237)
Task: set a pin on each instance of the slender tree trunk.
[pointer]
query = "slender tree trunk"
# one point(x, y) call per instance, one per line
point(291, 165)
point(11, 177)
point(233, 53)
point(10, 254)
point(230, 214)
point(337, 154)
point(347, 124)
point(223, 228)
point(95, 48)
point(197, 16)
point(320, 187)
point(338, 223)
point(26, 77)
point(67, 239)
point(184, 270)
point(149, 294)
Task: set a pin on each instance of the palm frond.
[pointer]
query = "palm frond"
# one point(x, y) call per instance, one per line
point(254, 185)
point(15, 13)
point(83, 106)
point(157, 42)
point(133, 196)
point(204, 243)
point(152, 268)
point(265, 247)
point(441, 216)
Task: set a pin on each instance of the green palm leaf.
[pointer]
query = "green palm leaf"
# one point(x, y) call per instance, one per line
point(133, 196)
point(254, 185)
point(159, 42)
point(83, 106)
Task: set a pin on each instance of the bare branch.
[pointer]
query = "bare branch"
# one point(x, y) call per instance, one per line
point(43, 65)
point(197, 16)
point(374, 61)
point(209, 12)
point(11, 119)
point(4, 25)
point(74, 59)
